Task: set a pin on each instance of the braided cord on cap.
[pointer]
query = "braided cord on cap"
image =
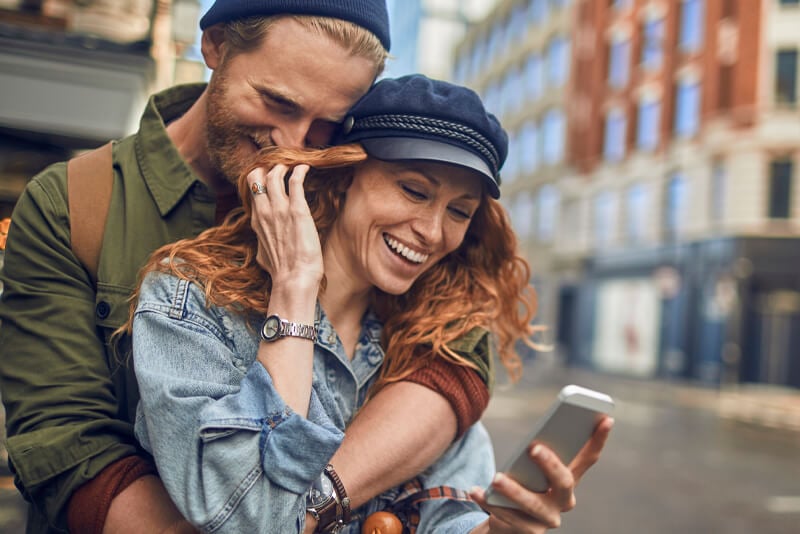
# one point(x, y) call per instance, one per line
point(439, 127)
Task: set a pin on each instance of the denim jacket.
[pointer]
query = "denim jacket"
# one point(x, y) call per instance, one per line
point(233, 456)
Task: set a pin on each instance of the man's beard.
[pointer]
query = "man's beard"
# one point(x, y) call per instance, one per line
point(225, 136)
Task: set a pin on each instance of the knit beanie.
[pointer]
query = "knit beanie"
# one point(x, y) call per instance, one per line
point(369, 14)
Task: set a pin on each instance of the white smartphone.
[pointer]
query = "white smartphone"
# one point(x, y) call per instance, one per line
point(564, 428)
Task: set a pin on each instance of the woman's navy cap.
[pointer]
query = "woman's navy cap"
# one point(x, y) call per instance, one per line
point(417, 118)
point(369, 14)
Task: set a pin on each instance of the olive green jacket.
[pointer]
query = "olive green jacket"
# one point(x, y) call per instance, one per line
point(69, 415)
point(70, 403)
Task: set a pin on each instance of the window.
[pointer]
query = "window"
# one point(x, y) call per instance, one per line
point(547, 213)
point(636, 209)
point(537, 11)
point(717, 191)
point(786, 77)
point(675, 206)
point(511, 166)
point(647, 124)
point(495, 42)
point(492, 98)
point(558, 61)
point(652, 43)
point(619, 52)
point(553, 132)
point(529, 147)
point(687, 108)
point(603, 208)
point(534, 76)
point(725, 87)
point(780, 188)
point(522, 214)
point(614, 140)
point(691, 29)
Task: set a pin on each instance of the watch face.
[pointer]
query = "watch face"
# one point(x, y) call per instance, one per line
point(320, 492)
point(270, 329)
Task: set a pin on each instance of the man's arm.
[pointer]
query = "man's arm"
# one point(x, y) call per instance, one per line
point(56, 385)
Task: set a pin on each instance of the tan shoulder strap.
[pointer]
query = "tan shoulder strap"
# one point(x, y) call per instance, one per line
point(90, 177)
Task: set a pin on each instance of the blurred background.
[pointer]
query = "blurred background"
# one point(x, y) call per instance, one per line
point(653, 183)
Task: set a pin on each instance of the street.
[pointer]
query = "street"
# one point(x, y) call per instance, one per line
point(671, 463)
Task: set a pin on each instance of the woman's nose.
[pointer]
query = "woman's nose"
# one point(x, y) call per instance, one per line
point(428, 225)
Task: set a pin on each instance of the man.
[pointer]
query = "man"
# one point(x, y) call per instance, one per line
point(70, 402)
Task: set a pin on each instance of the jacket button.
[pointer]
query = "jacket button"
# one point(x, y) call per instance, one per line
point(103, 309)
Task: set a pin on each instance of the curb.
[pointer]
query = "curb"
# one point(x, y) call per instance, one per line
point(772, 408)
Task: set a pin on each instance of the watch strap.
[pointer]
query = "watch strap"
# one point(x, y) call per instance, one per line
point(341, 493)
point(306, 331)
point(336, 513)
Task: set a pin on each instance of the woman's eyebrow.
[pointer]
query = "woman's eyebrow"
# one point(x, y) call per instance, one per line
point(422, 172)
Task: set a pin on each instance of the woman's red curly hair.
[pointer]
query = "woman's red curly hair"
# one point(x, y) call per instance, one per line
point(482, 284)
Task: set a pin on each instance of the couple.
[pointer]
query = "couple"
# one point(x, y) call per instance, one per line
point(278, 79)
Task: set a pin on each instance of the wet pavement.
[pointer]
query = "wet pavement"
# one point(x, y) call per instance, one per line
point(676, 460)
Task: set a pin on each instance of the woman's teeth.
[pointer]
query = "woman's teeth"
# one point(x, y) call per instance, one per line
point(404, 251)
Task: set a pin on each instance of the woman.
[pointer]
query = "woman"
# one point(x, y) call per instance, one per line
point(394, 242)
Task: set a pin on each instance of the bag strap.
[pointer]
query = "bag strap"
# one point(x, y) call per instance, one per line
point(90, 178)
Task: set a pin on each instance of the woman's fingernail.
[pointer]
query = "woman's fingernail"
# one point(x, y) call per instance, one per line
point(498, 478)
point(536, 451)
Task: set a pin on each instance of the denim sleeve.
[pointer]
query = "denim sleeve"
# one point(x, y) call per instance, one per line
point(468, 462)
point(231, 453)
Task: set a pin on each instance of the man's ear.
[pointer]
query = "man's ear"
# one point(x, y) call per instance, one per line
point(212, 45)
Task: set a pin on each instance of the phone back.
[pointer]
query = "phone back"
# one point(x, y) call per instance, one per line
point(564, 428)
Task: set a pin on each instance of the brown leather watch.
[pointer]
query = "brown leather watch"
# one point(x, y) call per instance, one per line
point(328, 503)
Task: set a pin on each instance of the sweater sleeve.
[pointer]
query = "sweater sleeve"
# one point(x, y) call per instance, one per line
point(466, 389)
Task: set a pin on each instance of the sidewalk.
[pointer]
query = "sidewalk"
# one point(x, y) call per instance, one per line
point(758, 404)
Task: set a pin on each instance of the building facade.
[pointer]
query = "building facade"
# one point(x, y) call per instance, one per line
point(76, 74)
point(519, 59)
point(674, 216)
point(424, 33)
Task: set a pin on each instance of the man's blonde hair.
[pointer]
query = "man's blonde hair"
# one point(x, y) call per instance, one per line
point(246, 34)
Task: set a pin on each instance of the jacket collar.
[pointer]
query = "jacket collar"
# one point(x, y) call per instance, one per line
point(167, 175)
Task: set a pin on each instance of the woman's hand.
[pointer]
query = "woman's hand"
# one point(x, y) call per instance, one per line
point(288, 242)
point(541, 511)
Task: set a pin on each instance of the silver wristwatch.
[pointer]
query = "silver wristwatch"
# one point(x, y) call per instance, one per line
point(275, 328)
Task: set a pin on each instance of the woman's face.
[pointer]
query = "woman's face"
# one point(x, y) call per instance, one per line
point(401, 218)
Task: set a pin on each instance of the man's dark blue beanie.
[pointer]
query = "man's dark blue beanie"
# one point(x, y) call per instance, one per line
point(369, 14)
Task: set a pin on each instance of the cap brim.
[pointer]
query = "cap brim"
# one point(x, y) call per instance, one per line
point(409, 148)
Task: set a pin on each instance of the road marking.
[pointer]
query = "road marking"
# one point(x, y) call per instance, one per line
point(783, 504)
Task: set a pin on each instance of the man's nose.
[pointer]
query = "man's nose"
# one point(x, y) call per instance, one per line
point(291, 135)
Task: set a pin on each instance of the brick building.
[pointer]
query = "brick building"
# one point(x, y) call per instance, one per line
point(673, 217)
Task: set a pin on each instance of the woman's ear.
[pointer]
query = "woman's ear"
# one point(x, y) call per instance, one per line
point(212, 45)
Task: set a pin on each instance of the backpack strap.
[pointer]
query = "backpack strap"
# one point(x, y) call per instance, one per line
point(90, 178)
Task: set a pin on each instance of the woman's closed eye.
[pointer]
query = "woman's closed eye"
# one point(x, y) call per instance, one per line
point(414, 193)
point(460, 213)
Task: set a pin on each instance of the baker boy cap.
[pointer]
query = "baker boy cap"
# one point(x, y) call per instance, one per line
point(369, 14)
point(417, 118)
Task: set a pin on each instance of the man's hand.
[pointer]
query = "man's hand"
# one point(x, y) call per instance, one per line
point(145, 507)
